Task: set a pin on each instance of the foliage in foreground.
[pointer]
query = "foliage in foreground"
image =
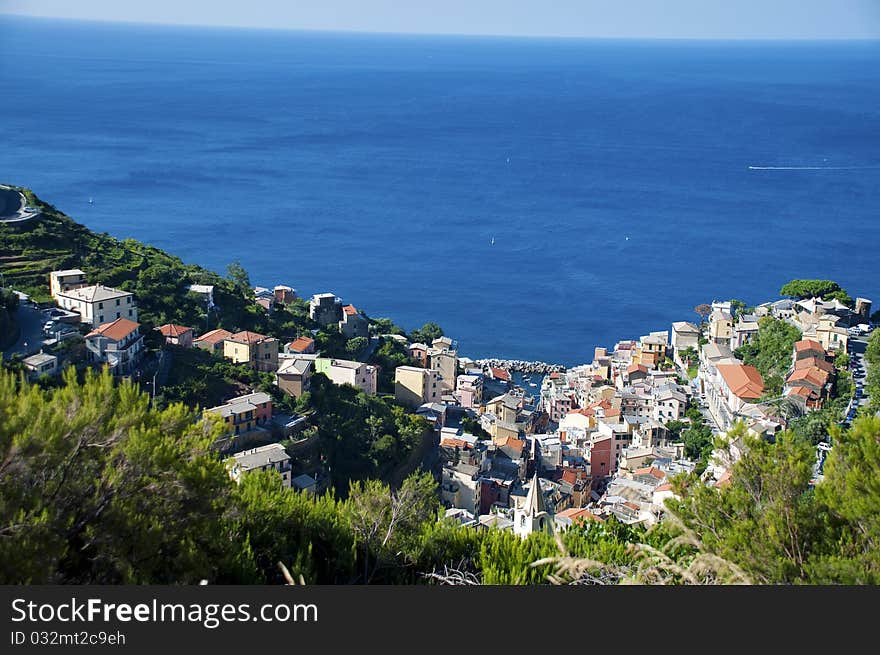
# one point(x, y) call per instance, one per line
point(96, 486)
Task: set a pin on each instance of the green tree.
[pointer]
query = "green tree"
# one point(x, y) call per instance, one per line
point(97, 487)
point(766, 520)
point(825, 289)
point(385, 522)
point(770, 351)
point(239, 277)
point(426, 334)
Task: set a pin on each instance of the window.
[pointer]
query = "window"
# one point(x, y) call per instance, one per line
point(117, 314)
point(100, 305)
point(117, 302)
point(129, 312)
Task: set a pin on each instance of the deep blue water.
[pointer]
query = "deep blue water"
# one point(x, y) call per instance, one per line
point(380, 167)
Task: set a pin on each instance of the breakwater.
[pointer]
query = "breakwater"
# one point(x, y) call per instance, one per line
point(521, 366)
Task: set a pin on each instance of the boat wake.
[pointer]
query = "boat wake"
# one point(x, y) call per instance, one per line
point(811, 168)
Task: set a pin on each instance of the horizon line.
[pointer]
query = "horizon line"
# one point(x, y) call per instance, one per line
point(487, 35)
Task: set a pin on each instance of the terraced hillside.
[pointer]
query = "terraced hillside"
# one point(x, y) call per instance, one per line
point(28, 252)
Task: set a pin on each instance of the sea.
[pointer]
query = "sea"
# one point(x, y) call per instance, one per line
point(536, 198)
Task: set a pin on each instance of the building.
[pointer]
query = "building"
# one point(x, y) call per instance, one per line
point(419, 353)
point(533, 515)
point(257, 350)
point(444, 359)
point(294, 375)
point(98, 304)
point(40, 364)
point(177, 335)
point(353, 323)
point(325, 309)
point(343, 371)
point(300, 346)
point(744, 331)
point(469, 390)
point(415, 386)
point(244, 414)
point(212, 341)
point(206, 291)
point(284, 294)
point(735, 386)
point(119, 344)
point(66, 280)
point(685, 335)
point(265, 458)
point(720, 327)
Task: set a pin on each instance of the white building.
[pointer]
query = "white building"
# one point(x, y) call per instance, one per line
point(99, 304)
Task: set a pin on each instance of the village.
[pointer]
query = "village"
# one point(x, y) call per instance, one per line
point(562, 447)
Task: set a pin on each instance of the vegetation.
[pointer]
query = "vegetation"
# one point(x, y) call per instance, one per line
point(825, 289)
point(770, 351)
point(361, 436)
point(8, 305)
point(872, 380)
point(778, 526)
point(426, 334)
point(388, 356)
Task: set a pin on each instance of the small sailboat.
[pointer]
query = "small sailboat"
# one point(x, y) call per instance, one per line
point(90, 200)
point(492, 241)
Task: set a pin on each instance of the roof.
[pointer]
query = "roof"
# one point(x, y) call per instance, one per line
point(685, 327)
point(636, 368)
point(814, 362)
point(803, 392)
point(262, 456)
point(294, 366)
point(116, 330)
point(500, 374)
point(39, 359)
point(535, 498)
point(215, 336)
point(301, 343)
point(652, 471)
point(578, 514)
point(246, 336)
point(303, 481)
point(350, 310)
point(96, 293)
point(68, 271)
point(744, 381)
point(815, 376)
point(808, 344)
point(172, 330)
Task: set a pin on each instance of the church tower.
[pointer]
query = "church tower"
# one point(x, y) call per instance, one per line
point(533, 515)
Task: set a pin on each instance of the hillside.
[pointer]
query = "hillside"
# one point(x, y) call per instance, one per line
point(30, 251)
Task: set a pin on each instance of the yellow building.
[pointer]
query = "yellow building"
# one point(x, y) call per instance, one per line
point(257, 350)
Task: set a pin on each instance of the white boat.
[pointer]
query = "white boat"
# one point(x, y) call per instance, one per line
point(90, 201)
point(492, 241)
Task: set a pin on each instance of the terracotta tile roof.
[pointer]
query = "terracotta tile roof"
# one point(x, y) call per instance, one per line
point(246, 336)
point(808, 344)
point(511, 442)
point(652, 471)
point(350, 310)
point(301, 343)
point(744, 381)
point(501, 374)
point(803, 392)
point(116, 330)
point(172, 330)
point(632, 505)
point(814, 362)
point(215, 336)
point(664, 487)
point(554, 375)
point(636, 368)
point(724, 480)
point(814, 376)
point(578, 515)
point(612, 411)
